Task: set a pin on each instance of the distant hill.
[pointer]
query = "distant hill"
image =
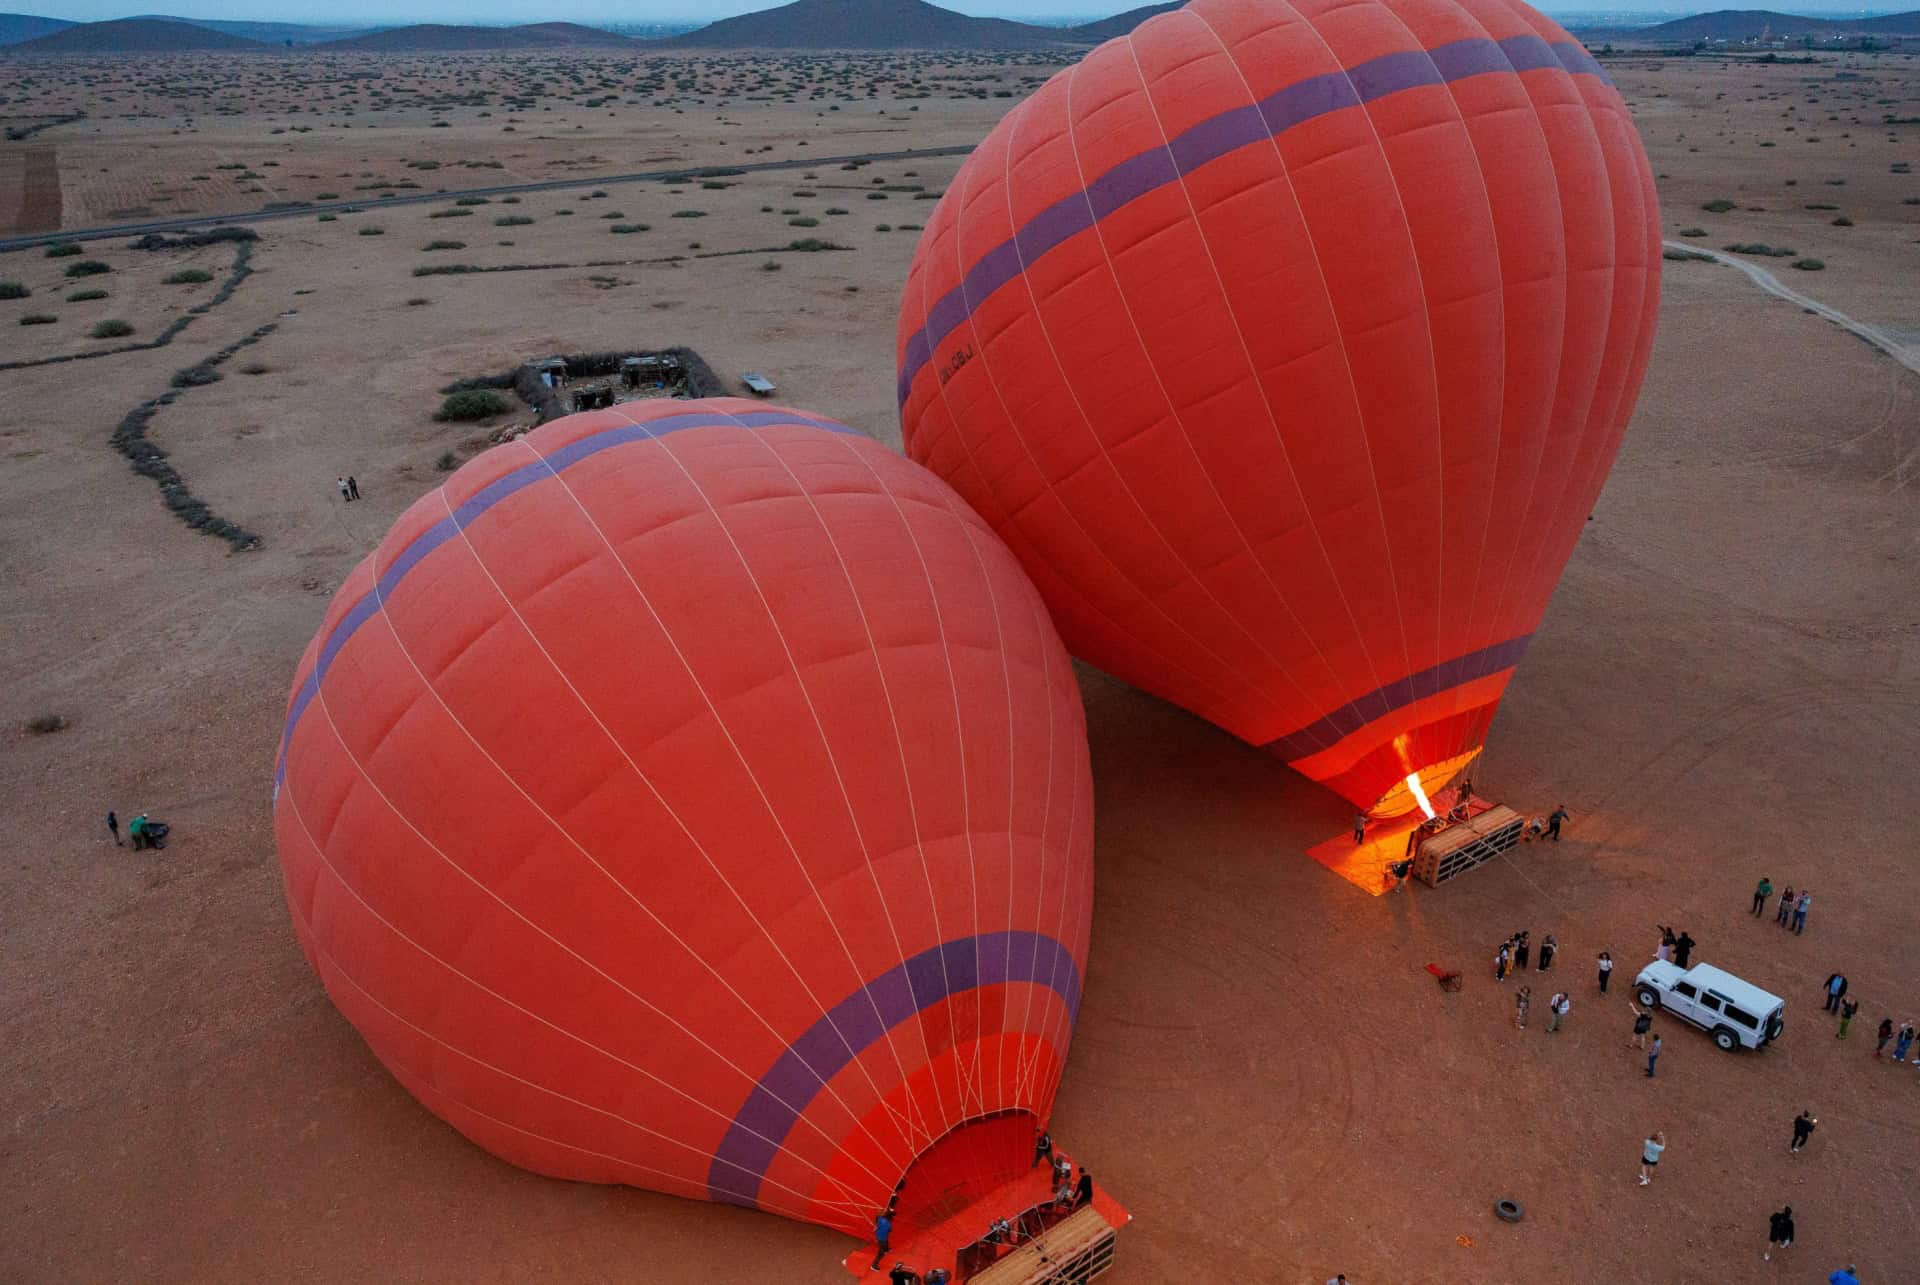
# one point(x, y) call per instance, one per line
point(16, 27)
point(433, 38)
point(867, 24)
point(1121, 23)
point(1735, 25)
point(272, 33)
point(136, 36)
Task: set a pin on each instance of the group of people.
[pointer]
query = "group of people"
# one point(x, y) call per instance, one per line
point(1792, 912)
point(142, 832)
point(1674, 947)
point(1514, 952)
point(349, 489)
point(1903, 1041)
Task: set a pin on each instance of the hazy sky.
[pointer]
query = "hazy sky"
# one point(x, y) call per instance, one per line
point(391, 12)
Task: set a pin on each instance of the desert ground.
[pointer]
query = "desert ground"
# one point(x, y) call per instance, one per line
point(1726, 686)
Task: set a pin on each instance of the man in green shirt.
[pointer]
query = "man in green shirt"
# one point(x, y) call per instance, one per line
point(1760, 895)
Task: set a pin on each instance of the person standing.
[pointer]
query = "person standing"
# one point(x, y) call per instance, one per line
point(1802, 1129)
point(1683, 948)
point(1501, 958)
point(113, 828)
point(1520, 949)
point(1547, 947)
point(353, 487)
point(1522, 1000)
point(1650, 1155)
point(1557, 1009)
point(1554, 818)
point(1836, 990)
point(1359, 828)
point(345, 494)
point(882, 1238)
point(1800, 908)
point(1653, 1056)
point(137, 832)
point(902, 1274)
point(1606, 971)
point(1903, 1042)
point(1642, 1023)
point(1844, 1277)
point(1847, 1010)
point(1886, 1033)
point(1785, 912)
point(1663, 950)
point(1761, 892)
point(1042, 1148)
point(1083, 1194)
point(1779, 1232)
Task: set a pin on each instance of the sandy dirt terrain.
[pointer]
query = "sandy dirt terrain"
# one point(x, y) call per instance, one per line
point(1726, 686)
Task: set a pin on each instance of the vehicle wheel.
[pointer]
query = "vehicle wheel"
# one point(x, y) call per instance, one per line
point(1508, 1211)
point(1726, 1039)
point(1649, 998)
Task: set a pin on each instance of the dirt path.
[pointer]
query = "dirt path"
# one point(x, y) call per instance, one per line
point(1908, 357)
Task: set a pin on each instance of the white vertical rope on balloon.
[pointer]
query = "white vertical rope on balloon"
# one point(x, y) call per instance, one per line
point(1073, 395)
point(1499, 264)
point(879, 666)
point(905, 1122)
point(1253, 370)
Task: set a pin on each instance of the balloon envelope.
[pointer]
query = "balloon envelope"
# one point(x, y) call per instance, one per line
point(1288, 346)
point(694, 795)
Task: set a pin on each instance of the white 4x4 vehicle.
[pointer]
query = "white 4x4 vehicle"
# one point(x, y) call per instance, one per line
point(1739, 1014)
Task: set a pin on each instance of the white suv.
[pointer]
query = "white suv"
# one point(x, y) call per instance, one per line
point(1739, 1014)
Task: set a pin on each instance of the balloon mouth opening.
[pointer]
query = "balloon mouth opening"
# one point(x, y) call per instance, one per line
point(965, 1165)
point(1414, 793)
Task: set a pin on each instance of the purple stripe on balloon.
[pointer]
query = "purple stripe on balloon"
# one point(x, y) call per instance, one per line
point(1213, 138)
point(1355, 714)
point(860, 1021)
point(485, 498)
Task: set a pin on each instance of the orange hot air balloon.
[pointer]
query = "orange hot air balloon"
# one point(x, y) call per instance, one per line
point(1288, 346)
point(694, 795)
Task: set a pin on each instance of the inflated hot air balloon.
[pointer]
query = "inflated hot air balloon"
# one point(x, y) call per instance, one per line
point(1288, 346)
point(694, 795)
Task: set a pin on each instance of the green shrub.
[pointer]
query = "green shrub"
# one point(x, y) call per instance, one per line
point(63, 249)
point(255, 368)
point(372, 231)
point(689, 214)
point(444, 245)
point(1693, 232)
point(803, 222)
point(770, 266)
point(1809, 265)
point(834, 209)
point(474, 200)
point(1760, 248)
point(326, 196)
point(195, 376)
point(111, 329)
point(83, 296)
point(328, 218)
point(447, 462)
point(14, 290)
point(38, 319)
point(632, 227)
point(1843, 222)
point(472, 403)
point(1720, 206)
point(87, 268)
point(187, 277)
point(451, 214)
point(512, 221)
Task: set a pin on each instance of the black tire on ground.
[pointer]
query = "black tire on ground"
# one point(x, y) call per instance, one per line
point(1726, 1039)
point(1649, 997)
point(1508, 1211)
